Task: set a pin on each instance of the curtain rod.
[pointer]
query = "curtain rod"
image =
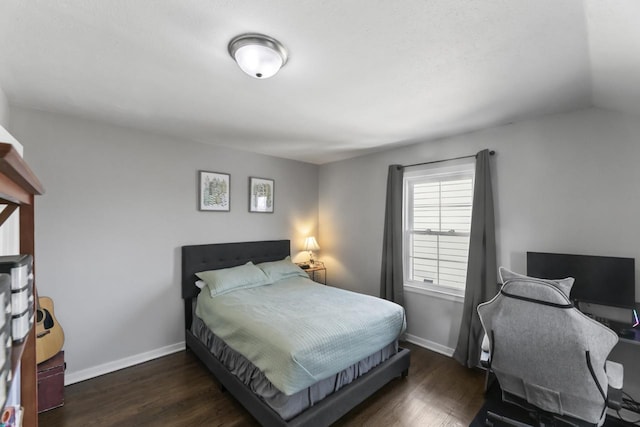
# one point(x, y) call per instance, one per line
point(491, 153)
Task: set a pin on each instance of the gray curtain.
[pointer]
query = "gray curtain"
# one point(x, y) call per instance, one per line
point(391, 280)
point(481, 268)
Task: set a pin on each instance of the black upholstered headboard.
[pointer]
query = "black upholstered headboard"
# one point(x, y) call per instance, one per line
point(197, 258)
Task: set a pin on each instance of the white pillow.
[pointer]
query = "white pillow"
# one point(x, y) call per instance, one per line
point(227, 280)
point(283, 269)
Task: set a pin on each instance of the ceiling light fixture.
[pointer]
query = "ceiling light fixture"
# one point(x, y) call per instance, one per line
point(258, 55)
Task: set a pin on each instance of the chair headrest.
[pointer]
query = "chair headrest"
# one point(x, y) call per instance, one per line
point(545, 290)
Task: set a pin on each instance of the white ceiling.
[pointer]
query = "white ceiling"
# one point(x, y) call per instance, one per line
point(362, 75)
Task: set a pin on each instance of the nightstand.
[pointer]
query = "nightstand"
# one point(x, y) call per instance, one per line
point(313, 271)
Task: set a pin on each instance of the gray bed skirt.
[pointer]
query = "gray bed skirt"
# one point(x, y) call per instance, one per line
point(287, 407)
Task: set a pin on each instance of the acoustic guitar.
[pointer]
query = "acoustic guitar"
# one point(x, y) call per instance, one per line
point(49, 333)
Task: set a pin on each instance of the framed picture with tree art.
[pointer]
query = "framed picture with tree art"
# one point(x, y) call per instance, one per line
point(261, 195)
point(215, 191)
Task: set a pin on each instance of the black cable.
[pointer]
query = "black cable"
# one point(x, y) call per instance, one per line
point(630, 400)
point(631, 404)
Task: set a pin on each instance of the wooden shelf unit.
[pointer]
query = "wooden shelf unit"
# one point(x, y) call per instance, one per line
point(18, 188)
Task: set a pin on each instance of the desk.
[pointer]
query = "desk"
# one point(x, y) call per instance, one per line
point(632, 340)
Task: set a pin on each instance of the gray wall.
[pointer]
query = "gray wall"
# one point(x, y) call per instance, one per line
point(4, 110)
point(562, 183)
point(119, 203)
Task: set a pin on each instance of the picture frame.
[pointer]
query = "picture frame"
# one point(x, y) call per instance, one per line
point(261, 195)
point(214, 191)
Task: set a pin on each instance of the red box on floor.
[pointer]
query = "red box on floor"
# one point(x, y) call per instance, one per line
point(51, 383)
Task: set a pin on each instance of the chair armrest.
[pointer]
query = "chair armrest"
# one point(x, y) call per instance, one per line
point(614, 398)
point(485, 355)
point(615, 376)
point(486, 345)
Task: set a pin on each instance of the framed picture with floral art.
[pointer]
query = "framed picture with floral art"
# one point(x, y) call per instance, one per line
point(261, 195)
point(215, 191)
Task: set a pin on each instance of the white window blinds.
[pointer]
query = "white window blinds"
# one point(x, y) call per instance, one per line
point(437, 208)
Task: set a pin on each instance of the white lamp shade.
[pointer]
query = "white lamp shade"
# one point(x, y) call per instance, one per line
point(260, 62)
point(310, 244)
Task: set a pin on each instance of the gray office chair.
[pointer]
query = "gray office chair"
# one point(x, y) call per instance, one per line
point(547, 356)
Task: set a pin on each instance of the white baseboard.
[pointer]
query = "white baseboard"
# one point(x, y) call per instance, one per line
point(85, 374)
point(429, 345)
point(95, 371)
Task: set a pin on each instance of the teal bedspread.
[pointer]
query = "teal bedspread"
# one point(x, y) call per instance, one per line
point(299, 332)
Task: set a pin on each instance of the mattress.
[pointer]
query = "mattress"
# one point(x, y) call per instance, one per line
point(298, 332)
point(285, 406)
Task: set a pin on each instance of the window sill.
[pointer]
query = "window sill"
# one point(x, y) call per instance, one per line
point(437, 293)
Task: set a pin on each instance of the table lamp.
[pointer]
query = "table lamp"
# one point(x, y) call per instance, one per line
point(310, 244)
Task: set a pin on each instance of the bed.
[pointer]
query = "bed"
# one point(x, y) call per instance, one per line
point(327, 406)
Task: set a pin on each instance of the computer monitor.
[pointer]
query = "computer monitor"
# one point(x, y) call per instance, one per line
point(599, 279)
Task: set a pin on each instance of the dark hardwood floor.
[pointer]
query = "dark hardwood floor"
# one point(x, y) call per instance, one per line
point(177, 390)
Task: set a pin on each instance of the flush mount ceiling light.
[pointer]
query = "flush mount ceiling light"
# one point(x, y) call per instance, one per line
point(258, 55)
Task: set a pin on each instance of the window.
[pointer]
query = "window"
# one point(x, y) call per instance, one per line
point(437, 222)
